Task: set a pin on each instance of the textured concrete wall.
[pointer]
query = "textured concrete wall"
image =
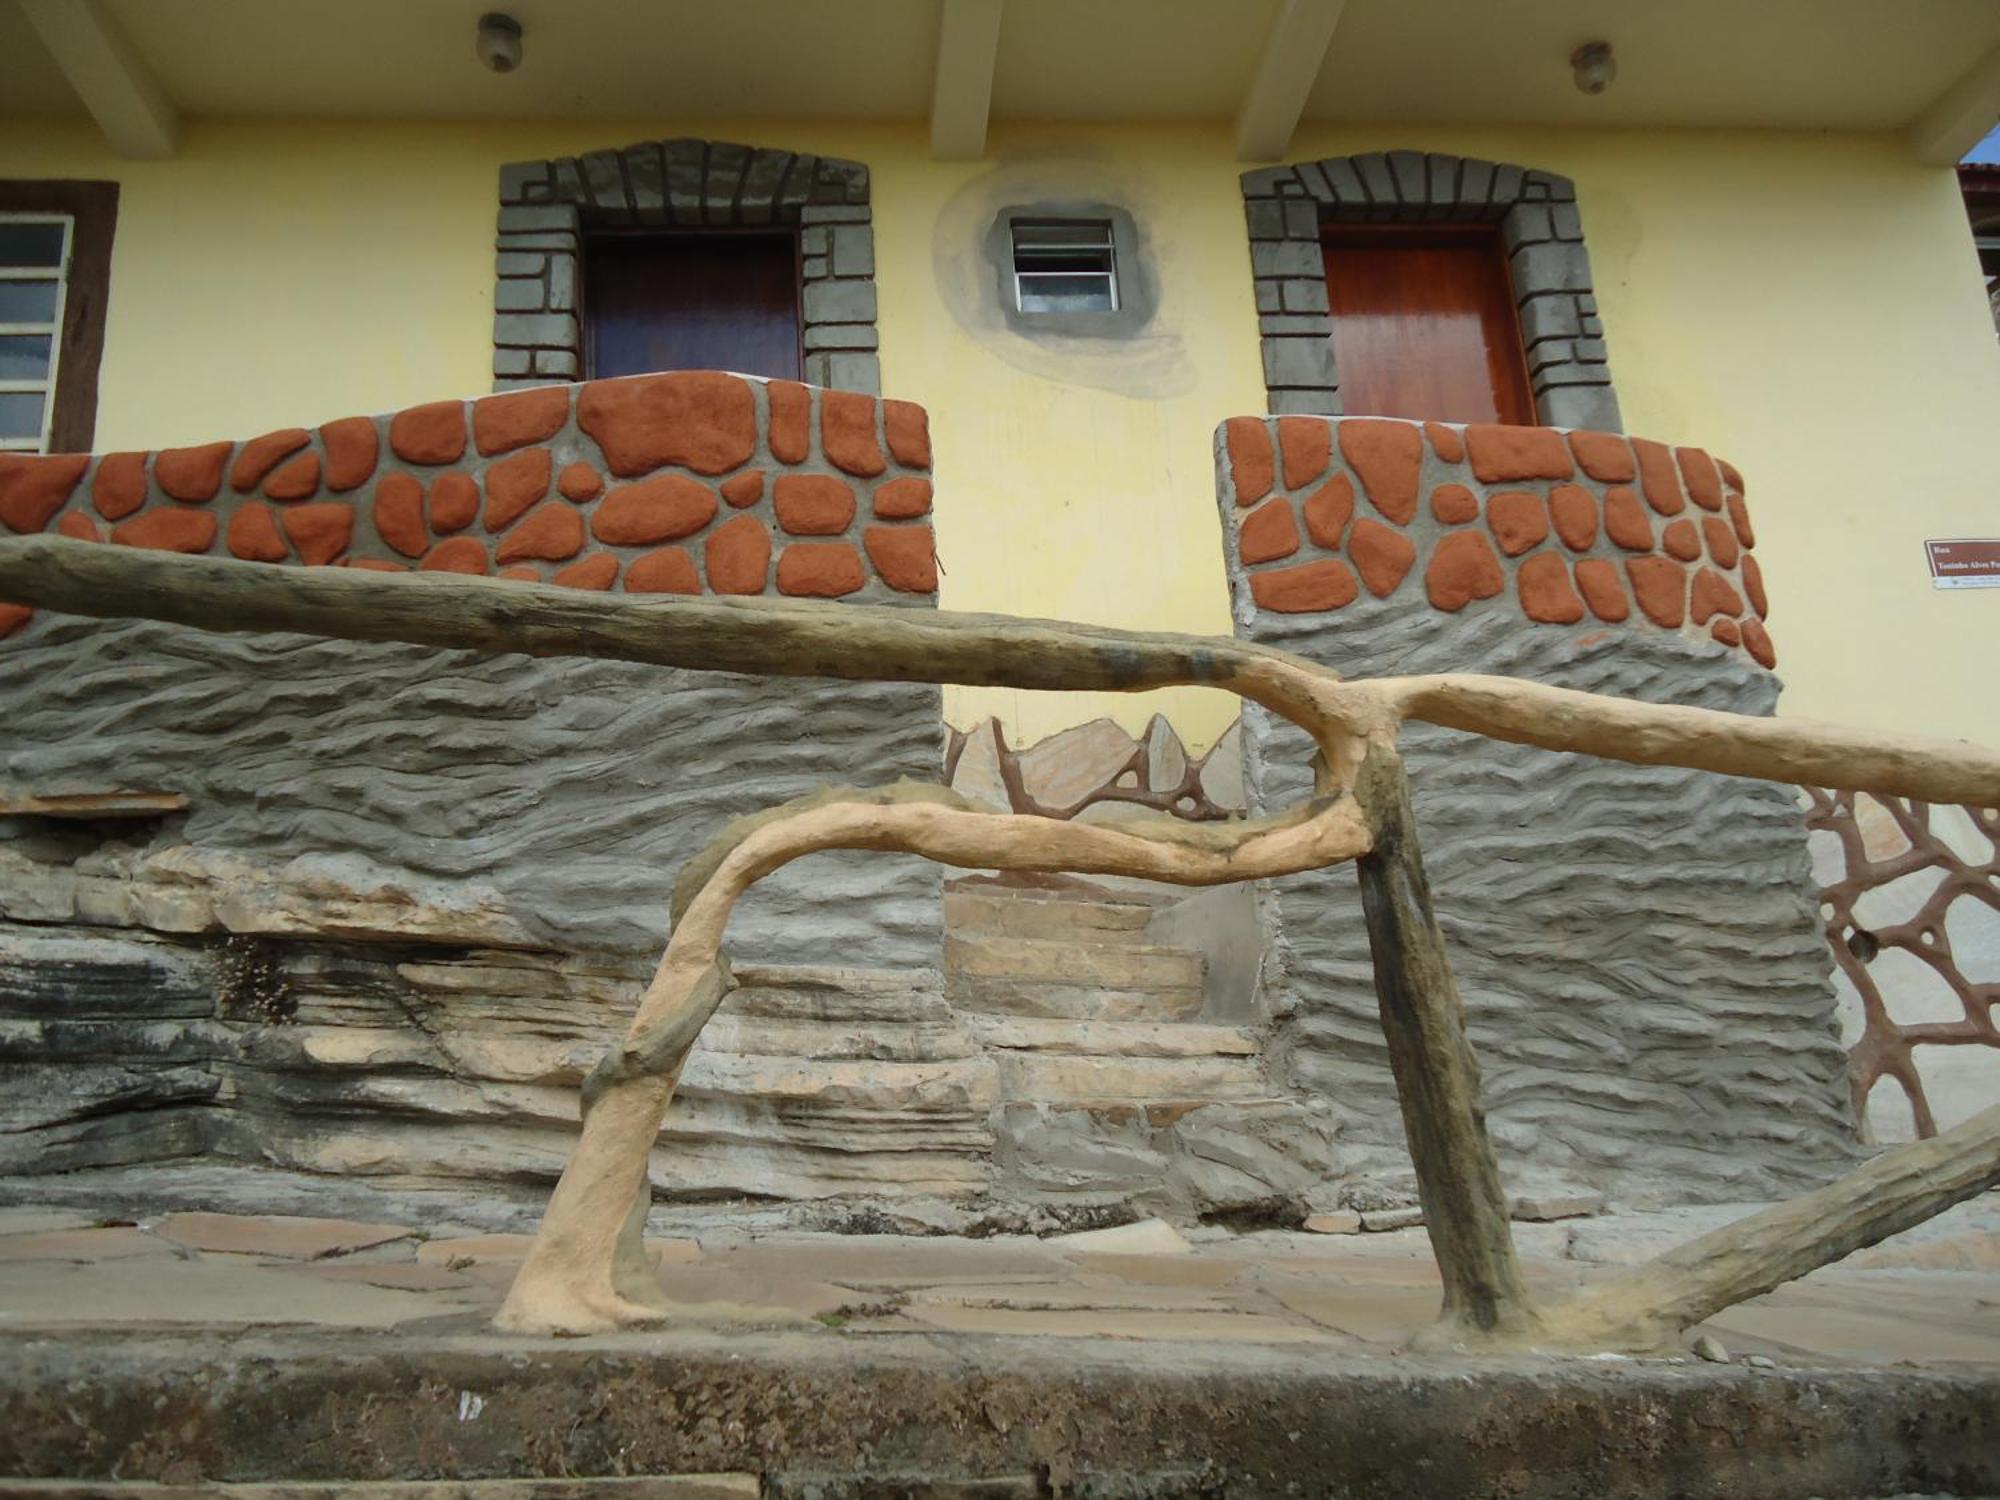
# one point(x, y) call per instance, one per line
point(1638, 947)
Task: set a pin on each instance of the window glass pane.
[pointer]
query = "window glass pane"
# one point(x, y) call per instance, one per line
point(24, 356)
point(1044, 294)
point(1098, 261)
point(20, 414)
point(1030, 232)
point(27, 301)
point(30, 244)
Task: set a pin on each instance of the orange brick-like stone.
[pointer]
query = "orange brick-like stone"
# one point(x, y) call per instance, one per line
point(1602, 589)
point(1698, 472)
point(812, 504)
point(191, 474)
point(1306, 589)
point(791, 421)
point(1726, 631)
point(1269, 532)
point(1659, 478)
point(433, 433)
point(519, 573)
point(454, 503)
point(1739, 518)
point(847, 433)
point(697, 419)
point(261, 454)
point(1625, 520)
point(1502, 455)
point(1660, 586)
point(1546, 595)
point(1306, 446)
point(320, 532)
point(169, 529)
point(746, 489)
point(580, 482)
point(598, 572)
point(253, 535)
point(462, 554)
point(352, 450)
point(1712, 595)
point(1448, 443)
point(905, 557)
point(1328, 510)
point(295, 480)
point(908, 428)
point(503, 423)
point(13, 617)
point(819, 570)
point(1454, 504)
point(34, 488)
point(1518, 520)
point(901, 499)
point(1462, 568)
point(1722, 544)
point(1251, 466)
point(1604, 456)
point(738, 555)
point(1382, 555)
point(79, 527)
point(1574, 511)
point(1680, 540)
point(1753, 585)
point(514, 484)
point(662, 509)
point(399, 514)
point(549, 533)
point(667, 571)
point(375, 565)
point(1730, 476)
point(1757, 641)
point(1386, 456)
point(119, 487)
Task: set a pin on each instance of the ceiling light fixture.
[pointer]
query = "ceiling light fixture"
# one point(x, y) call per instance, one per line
point(499, 42)
point(1594, 67)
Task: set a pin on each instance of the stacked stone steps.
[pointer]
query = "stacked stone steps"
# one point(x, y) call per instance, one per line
point(1073, 978)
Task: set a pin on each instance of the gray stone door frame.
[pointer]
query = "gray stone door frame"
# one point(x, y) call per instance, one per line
point(1540, 229)
point(547, 206)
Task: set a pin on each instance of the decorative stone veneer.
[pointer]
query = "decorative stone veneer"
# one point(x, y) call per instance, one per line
point(1097, 766)
point(1579, 530)
point(1643, 966)
point(683, 483)
point(1540, 229)
point(562, 795)
point(1911, 894)
point(547, 206)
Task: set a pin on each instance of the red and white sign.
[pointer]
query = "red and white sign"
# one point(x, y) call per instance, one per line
point(1967, 563)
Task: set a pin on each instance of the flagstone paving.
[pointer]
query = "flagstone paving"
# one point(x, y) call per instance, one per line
point(1931, 1302)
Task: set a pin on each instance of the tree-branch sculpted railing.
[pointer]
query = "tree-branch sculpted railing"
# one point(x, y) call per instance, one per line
point(587, 1270)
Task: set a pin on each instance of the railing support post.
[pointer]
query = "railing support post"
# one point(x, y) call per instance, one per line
point(1437, 1077)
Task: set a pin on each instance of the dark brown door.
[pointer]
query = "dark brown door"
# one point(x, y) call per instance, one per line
point(1424, 325)
point(716, 301)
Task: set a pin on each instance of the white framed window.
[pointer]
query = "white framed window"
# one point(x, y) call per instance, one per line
point(1064, 266)
point(34, 277)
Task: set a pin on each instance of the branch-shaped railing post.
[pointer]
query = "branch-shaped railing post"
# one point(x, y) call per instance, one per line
point(1437, 1076)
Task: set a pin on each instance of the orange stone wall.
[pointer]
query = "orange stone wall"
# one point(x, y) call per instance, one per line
point(681, 483)
point(1578, 529)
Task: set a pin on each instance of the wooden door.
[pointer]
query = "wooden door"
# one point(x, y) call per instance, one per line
point(708, 301)
point(1424, 325)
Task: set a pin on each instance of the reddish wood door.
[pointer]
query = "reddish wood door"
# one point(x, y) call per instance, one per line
point(712, 301)
point(1424, 325)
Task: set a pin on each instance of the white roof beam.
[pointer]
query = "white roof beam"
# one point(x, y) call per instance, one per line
point(108, 74)
point(1293, 52)
point(1961, 115)
point(962, 92)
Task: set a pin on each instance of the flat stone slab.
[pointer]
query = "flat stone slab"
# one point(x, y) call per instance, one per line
point(170, 1290)
point(1209, 1328)
point(1147, 1237)
point(83, 1245)
point(286, 1236)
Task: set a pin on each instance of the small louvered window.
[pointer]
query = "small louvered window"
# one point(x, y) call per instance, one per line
point(1064, 266)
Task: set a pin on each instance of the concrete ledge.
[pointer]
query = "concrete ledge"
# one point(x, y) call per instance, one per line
point(837, 1415)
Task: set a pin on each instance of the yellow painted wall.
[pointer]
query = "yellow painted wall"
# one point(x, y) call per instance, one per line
point(1808, 306)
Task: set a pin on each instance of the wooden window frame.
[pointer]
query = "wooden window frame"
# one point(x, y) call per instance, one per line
point(92, 209)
